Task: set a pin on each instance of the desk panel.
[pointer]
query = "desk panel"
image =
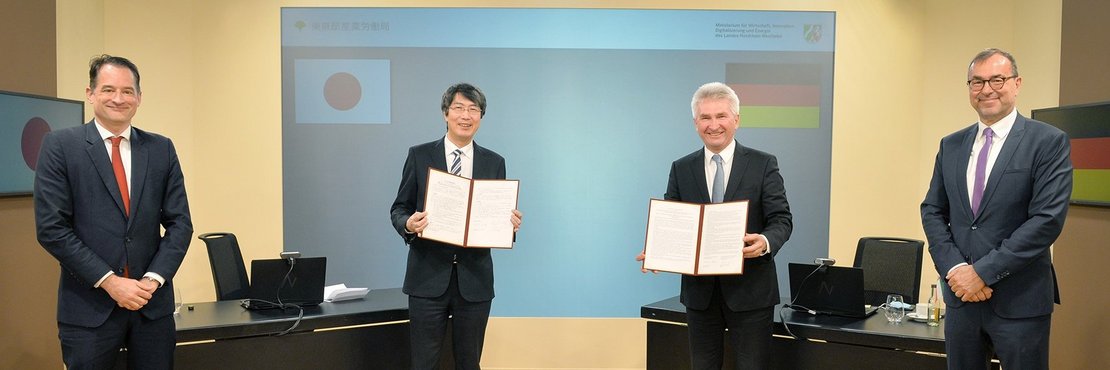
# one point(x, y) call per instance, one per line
point(373, 347)
point(837, 342)
point(368, 333)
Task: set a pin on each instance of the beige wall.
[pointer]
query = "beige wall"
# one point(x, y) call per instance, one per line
point(876, 108)
point(27, 66)
point(211, 81)
point(30, 70)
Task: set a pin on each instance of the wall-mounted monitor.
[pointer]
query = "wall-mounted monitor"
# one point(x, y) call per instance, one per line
point(24, 120)
point(1088, 128)
point(589, 108)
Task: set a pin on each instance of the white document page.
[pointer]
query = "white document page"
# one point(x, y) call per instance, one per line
point(672, 236)
point(722, 238)
point(491, 208)
point(446, 203)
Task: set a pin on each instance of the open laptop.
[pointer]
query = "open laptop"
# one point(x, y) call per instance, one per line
point(832, 290)
point(272, 279)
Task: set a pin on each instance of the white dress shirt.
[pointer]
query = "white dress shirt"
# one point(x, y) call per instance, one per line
point(467, 162)
point(1001, 132)
point(124, 149)
point(711, 167)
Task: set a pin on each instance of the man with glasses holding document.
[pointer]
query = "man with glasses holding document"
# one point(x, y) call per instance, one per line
point(725, 171)
point(442, 279)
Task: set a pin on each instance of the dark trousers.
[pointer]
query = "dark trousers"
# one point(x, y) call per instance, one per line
point(428, 319)
point(150, 343)
point(749, 333)
point(973, 332)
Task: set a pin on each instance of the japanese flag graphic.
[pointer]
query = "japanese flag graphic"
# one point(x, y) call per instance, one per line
point(341, 91)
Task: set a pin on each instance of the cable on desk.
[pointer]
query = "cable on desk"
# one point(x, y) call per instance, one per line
point(279, 304)
point(791, 305)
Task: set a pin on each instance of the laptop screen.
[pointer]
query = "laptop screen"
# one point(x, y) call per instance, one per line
point(272, 280)
point(831, 289)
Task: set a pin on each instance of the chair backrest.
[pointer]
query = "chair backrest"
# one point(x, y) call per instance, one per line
point(890, 266)
point(229, 273)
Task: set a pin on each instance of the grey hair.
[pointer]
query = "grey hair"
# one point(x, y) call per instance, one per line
point(715, 90)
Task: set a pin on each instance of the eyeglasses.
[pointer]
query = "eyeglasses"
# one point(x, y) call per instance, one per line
point(471, 110)
point(996, 82)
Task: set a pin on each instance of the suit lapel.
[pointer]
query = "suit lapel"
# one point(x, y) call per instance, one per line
point(98, 155)
point(697, 172)
point(1009, 147)
point(739, 166)
point(438, 160)
point(483, 169)
point(963, 158)
point(139, 164)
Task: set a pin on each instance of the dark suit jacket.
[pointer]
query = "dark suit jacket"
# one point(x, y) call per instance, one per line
point(80, 219)
point(1022, 213)
point(754, 177)
point(429, 262)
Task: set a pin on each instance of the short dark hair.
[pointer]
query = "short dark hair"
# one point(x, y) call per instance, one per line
point(100, 60)
point(468, 91)
point(983, 55)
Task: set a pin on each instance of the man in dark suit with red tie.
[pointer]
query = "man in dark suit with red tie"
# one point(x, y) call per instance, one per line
point(725, 171)
point(996, 203)
point(103, 191)
point(444, 280)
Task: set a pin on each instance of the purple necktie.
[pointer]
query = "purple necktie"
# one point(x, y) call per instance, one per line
point(981, 172)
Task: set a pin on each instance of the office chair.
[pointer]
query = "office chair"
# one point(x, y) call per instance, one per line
point(228, 271)
point(890, 266)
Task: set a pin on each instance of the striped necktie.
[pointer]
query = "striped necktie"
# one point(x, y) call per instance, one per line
point(456, 162)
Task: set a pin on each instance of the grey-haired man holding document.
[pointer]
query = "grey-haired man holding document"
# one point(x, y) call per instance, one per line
point(725, 171)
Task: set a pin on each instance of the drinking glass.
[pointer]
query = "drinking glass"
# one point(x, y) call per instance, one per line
point(895, 308)
point(176, 300)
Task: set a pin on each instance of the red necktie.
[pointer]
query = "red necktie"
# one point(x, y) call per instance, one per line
point(121, 180)
point(121, 176)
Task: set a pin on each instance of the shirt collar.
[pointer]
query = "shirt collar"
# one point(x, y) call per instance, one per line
point(1000, 128)
point(467, 150)
point(105, 134)
point(726, 154)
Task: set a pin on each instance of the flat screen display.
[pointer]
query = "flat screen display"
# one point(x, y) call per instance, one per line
point(24, 121)
point(589, 107)
point(1088, 128)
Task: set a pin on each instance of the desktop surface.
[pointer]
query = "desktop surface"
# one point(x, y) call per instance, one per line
point(871, 331)
point(227, 319)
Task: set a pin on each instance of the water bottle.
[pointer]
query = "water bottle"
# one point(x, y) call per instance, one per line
point(933, 312)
